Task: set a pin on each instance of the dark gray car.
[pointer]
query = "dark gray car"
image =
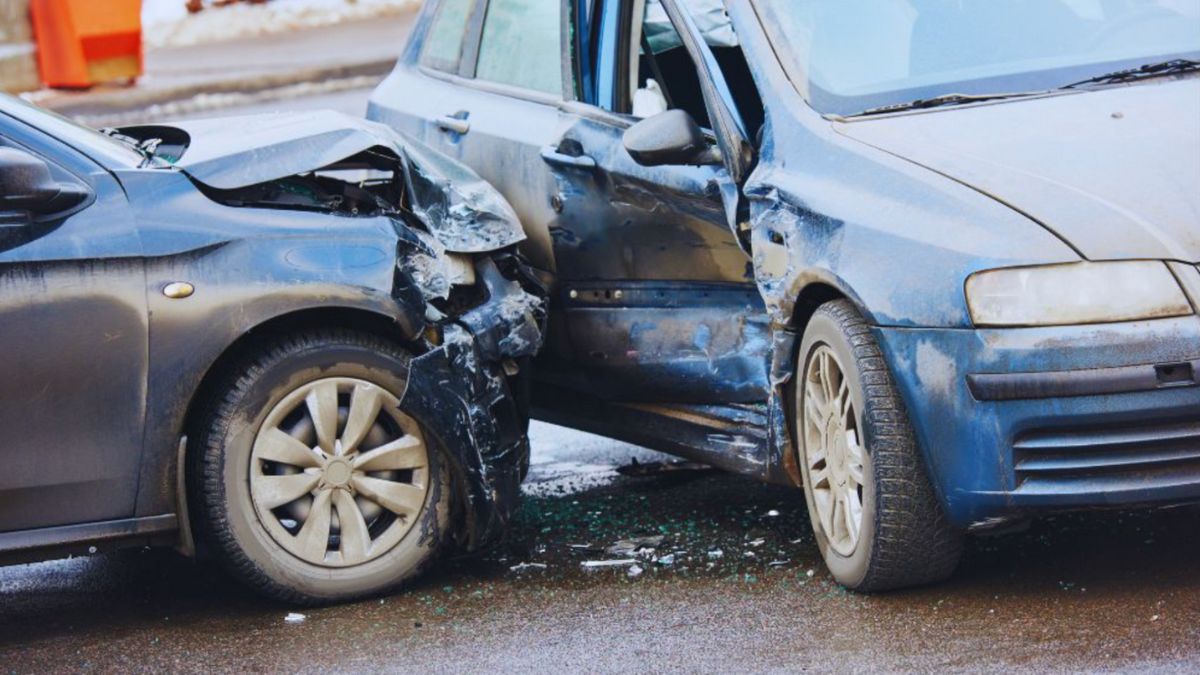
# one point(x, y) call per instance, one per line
point(291, 340)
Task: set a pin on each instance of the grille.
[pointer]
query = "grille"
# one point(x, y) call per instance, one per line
point(1144, 456)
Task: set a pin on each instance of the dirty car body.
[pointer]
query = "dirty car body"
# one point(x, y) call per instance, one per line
point(683, 290)
point(276, 224)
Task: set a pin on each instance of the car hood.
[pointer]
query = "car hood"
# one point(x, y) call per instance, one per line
point(461, 210)
point(1114, 172)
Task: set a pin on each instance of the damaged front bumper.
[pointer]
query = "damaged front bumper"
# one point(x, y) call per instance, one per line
point(1025, 420)
point(463, 390)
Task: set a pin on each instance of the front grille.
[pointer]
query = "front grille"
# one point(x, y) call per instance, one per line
point(1137, 456)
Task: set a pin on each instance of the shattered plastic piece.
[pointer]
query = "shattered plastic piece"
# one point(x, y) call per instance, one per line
point(635, 572)
point(521, 567)
point(779, 563)
point(772, 513)
point(602, 564)
point(758, 542)
point(629, 547)
point(588, 548)
point(635, 468)
point(810, 573)
point(294, 617)
point(715, 554)
point(666, 560)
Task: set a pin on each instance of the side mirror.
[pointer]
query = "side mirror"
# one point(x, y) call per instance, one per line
point(26, 185)
point(670, 138)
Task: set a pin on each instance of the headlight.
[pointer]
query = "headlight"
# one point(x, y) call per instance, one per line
point(1075, 293)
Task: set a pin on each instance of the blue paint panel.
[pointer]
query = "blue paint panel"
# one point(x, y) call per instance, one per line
point(1087, 451)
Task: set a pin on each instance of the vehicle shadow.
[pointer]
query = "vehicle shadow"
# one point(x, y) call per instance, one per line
point(715, 526)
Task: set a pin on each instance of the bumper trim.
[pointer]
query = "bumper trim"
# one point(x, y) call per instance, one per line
point(1091, 382)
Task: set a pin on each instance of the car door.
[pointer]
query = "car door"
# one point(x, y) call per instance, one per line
point(73, 348)
point(654, 299)
point(659, 297)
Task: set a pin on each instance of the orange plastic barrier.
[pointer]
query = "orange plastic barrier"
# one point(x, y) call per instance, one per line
point(85, 42)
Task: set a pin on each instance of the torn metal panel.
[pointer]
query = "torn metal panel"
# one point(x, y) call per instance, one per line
point(275, 152)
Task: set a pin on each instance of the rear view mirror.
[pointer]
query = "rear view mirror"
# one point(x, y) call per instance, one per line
point(26, 185)
point(670, 138)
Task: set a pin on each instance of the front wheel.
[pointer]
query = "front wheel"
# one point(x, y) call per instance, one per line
point(878, 523)
point(314, 484)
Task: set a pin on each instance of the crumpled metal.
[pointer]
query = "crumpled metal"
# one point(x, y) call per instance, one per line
point(464, 212)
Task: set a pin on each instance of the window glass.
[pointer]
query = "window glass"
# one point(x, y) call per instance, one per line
point(443, 45)
point(521, 45)
point(850, 55)
point(663, 75)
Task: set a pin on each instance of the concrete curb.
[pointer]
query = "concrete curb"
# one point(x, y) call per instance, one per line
point(111, 102)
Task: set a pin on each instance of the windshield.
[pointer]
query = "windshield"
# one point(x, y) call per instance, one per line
point(847, 56)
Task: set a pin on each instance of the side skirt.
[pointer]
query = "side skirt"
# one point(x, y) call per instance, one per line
point(732, 437)
point(89, 538)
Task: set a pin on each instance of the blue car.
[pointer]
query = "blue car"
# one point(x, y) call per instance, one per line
point(933, 262)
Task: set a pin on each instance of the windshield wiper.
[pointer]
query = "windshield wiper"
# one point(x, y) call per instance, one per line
point(940, 101)
point(1172, 67)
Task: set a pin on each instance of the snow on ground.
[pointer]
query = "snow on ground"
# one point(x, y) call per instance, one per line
point(166, 23)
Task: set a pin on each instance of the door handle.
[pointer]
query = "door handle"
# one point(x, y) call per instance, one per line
point(553, 156)
point(453, 124)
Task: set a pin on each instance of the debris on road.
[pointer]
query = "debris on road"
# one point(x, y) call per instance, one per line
point(636, 468)
point(629, 547)
point(522, 567)
point(635, 572)
point(603, 564)
point(295, 617)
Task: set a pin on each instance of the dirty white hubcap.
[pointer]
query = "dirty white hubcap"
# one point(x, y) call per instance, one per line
point(338, 474)
point(833, 450)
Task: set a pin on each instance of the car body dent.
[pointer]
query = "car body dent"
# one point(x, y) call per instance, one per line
point(465, 213)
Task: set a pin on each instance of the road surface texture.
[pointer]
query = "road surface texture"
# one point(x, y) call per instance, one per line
point(734, 585)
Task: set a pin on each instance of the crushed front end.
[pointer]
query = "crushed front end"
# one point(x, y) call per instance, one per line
point(463, 300)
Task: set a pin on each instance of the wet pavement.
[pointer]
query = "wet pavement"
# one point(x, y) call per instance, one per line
point(734, 585)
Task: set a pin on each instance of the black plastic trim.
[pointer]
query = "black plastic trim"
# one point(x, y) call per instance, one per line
point(49, 542)
point(1092, 382)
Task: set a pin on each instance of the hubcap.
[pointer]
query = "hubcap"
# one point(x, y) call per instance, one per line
point(338, 474)
point(833, 451)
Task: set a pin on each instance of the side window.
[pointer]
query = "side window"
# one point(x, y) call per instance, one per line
point(663, 76)
point(522, 45)
point(443, 43)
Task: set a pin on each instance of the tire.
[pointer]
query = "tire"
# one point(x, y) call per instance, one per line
point(870, 454)
point(270, 512)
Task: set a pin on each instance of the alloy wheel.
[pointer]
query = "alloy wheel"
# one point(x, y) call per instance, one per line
point(833, 450)
point(338, 473)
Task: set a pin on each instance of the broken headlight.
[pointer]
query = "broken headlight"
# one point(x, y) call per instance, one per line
point(1075, 293)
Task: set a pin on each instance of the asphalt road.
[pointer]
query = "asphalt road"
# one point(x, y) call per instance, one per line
point(735, 585)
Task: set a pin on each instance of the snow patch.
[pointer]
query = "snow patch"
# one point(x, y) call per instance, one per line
point(166, 23)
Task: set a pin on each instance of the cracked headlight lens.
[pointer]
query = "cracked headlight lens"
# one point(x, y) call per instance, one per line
point(1075, 293)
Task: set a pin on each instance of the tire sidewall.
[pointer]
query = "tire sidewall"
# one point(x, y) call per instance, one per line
point(823, 329)
point(249, 536)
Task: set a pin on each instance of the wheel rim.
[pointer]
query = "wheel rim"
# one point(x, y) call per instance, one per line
point(833, 450)
point(338, 474)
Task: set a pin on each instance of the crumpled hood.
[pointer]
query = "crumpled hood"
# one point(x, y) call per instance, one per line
point(1115, 172)
point(465, 213)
